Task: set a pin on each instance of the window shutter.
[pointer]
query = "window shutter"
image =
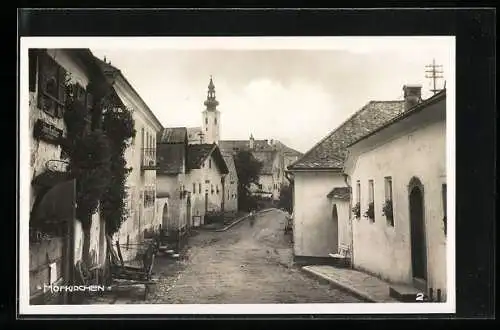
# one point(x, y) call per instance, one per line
point(61, 79)
point(51, 100)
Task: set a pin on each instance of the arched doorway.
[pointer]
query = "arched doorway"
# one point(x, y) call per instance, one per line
point(335, 230)
point(417, 230)
point(165, 218)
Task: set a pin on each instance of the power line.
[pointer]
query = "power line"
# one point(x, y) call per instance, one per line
point(434, 72)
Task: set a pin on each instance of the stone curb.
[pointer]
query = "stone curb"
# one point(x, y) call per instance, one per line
point(237, 221)
point(349, 288)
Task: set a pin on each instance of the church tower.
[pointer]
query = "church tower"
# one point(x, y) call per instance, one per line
point(211, 116)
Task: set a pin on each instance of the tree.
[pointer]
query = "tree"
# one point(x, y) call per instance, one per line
point(286, 197)
point(248, 169)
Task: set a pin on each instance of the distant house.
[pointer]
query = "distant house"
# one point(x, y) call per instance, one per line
point(230, 185)
point(321, 192)
point(141, 157)
point(190, 180)
point(399, 171)
point(206, 180)
point(273, 155)
point(195, 135)
point(170, 179)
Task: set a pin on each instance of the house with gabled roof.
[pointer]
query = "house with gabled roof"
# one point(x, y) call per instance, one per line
point(190, 180)
point(398, 175)
point(321, 193)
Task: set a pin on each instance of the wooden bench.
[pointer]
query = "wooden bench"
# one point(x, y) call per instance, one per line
point(342, 255)
point(139, 274)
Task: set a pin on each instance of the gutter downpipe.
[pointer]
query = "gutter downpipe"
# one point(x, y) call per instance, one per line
point(346, 180)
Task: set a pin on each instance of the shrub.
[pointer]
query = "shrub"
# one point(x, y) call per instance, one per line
point(356, 209)
point(370, 212)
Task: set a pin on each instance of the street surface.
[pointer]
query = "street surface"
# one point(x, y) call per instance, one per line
point(246, 264)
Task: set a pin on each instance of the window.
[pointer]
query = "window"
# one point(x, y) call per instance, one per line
point(206, 120)
point(51, 86)
point(194, 188)
point(215, 121)
point(370, 212)
point(199, 188)
point(142, 137)
point(387, 208)
point(358, 192)
point(388, 188)
point(370, 191)
point(209, 163)
point(212, 189)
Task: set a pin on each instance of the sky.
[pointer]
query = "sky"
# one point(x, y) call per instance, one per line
point(296, 92)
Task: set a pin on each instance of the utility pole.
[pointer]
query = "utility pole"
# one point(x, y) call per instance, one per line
point(434, 72)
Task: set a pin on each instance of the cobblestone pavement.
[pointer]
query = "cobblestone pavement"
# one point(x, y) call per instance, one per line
point(246, 264)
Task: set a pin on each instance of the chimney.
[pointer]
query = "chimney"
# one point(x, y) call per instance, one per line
point(412, 95)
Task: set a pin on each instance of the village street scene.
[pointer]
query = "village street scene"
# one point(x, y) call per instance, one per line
point(237, 176)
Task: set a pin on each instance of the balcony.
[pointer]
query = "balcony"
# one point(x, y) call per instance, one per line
point(148, 159)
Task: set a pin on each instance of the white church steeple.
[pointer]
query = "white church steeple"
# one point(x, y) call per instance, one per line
point(211, 116)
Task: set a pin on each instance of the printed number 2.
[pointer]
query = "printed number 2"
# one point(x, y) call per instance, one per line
point(420, 297)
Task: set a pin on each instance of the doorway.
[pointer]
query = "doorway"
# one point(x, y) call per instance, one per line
point(335, 229)
point(417, 231)
point(165, 219)
point(206, 202)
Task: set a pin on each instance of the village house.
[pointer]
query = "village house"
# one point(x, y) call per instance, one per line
point(321, 193)
point(230, 185)
point(56, 243)
point(273, 155)
point(141, 158)
point(190, 182)
point(398, 175)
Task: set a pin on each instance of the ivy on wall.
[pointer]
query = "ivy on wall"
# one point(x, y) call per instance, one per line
point(97, 137)
point(89, 154)
point(118, 124)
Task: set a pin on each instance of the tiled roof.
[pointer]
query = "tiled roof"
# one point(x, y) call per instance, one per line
point(330, 152)
point(173, 135)
point(415, 109)
point(170, 158)
point(340, 193)
point(235, 145)
point(197, 153)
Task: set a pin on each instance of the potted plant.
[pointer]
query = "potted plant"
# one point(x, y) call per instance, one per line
point(388, 212)
point(370, 212)
point(387, 209)
point(356, 209)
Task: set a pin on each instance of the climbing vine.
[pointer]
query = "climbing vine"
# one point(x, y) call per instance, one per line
point(118, 124)
point(89, 154)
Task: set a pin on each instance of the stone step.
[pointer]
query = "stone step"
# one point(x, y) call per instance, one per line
point(404, 293)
